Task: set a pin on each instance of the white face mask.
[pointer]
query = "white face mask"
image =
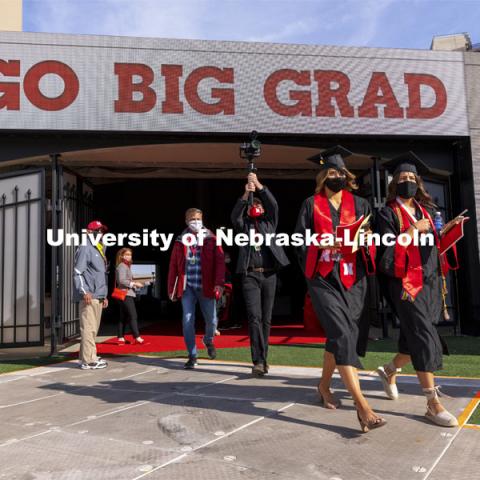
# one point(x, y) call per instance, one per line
point(195, 225)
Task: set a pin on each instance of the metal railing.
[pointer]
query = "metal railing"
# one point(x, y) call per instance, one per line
point(22, 258)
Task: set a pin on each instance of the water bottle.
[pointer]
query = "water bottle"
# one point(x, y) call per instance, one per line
point(438, 221)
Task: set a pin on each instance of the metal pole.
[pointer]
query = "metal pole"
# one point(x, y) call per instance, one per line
point(379, 201)
point(56, 208)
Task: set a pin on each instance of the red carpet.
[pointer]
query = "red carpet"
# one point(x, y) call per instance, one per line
point(161, 338)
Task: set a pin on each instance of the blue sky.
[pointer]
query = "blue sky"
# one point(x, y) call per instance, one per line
point(373, 23)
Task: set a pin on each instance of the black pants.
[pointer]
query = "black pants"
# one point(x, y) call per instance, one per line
point(128, 314)
point(259, 294)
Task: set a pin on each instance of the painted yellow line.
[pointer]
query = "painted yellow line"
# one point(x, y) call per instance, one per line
point(472, 427)
point(462, 419)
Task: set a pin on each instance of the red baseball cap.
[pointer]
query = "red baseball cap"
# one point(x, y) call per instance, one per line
point(97, 225)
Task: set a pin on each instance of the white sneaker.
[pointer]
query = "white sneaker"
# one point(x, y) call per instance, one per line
point(391, 390)
point(94, 365)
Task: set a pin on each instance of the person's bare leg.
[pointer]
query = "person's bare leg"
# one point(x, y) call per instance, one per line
point(388, 374)
point(427, 380)
point(436, 412)
point(399, 361)
point(328, 369)
point(349, 376)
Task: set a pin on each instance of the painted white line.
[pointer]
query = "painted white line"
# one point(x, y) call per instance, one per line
point(14, 440)
point(31, 401)
point(220, 397)
point(134, 375)
point(79, 387)
point(108, 388)
point(12, 379)
point(155, 397)
point(214, 440)
point(118, 410)
point(236, 430)
point(216, 383)
point(176, 459)
point(449, 444)
point(53, 370)
point(285, 407)
point(96, 417)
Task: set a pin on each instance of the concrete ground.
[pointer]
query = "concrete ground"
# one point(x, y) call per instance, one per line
point(149, 418)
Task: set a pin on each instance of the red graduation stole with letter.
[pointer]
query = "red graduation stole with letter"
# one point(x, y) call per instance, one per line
point(322, 221)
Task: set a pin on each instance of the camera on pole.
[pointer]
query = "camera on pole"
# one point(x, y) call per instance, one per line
point(249, 151)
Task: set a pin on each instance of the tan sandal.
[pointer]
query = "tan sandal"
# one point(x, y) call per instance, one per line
point(325, 404)
point(371, 425)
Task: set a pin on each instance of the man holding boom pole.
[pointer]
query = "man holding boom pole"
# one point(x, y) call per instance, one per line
point(258, 266)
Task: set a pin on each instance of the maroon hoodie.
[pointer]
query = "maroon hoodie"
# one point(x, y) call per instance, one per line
point(212, 261)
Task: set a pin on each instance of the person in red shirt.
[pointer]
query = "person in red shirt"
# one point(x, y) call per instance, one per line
point(197, 274)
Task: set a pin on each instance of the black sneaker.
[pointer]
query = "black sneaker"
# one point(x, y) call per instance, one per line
point(258, 370)
point(191, 363)
point(266, 367)
point(211, 350)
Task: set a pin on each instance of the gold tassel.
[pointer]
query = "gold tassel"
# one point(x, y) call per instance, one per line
point(407, 296)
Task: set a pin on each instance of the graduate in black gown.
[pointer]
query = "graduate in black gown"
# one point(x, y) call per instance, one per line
point(337, 278)
point(412, 279)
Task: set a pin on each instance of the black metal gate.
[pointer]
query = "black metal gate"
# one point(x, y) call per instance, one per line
point(73, 210)
point(22, 258)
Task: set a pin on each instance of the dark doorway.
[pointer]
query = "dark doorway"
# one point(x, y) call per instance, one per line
point(134, 205)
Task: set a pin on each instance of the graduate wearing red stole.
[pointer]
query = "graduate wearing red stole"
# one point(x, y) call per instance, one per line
point(337, 278)
point(413, 281)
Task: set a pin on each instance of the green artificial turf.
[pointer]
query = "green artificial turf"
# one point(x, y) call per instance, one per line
point(464, 360)
point(7, 366)
point(475, 418)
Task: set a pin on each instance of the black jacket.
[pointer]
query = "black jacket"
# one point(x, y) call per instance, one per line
point(266, 224)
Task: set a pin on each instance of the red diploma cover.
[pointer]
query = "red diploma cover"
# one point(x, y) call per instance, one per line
point(449, 237)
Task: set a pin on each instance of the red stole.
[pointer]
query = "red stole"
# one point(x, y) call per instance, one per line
point(322, 221)
point(407, 259)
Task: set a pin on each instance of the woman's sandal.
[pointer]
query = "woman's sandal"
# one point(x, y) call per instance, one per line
point(366, 426)
point(325, 404)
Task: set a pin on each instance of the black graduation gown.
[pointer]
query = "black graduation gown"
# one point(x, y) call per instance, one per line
point(418, 336)
point(339, 310)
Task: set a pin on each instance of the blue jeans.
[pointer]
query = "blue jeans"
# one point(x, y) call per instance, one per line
point(190, 298)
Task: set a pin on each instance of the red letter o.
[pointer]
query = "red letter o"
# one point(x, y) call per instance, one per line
point(37, 98)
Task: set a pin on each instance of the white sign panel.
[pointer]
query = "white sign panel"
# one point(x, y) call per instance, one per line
point(62, 82)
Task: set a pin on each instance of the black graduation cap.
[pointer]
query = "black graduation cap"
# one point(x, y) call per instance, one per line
point(331, 158)
point(407, 162)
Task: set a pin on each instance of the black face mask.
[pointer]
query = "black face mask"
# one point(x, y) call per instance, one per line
point(336, 184)
point(407, 189)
